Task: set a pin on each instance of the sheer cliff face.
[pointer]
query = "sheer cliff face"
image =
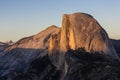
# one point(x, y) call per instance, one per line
point(80, 30)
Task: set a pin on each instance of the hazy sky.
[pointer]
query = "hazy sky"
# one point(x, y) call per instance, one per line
point(22, 18)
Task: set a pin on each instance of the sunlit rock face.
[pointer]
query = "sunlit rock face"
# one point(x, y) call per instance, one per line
point(80, 30)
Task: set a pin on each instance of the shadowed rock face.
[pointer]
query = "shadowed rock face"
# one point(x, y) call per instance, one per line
point(81, 66)
point(87, 66)
point(79, 30)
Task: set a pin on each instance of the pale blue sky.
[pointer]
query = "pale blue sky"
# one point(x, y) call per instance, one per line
point(22, 18)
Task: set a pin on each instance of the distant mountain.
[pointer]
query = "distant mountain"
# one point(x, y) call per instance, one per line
point(7, 43)
point(2, 43)
point(62, 53)
point(3, 46)
point(10, 42)
point(116, 44)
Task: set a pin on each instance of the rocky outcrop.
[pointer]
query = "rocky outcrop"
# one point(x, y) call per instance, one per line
point(38, 41)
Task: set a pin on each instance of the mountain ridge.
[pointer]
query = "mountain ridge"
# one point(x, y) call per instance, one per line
point(79, 30)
